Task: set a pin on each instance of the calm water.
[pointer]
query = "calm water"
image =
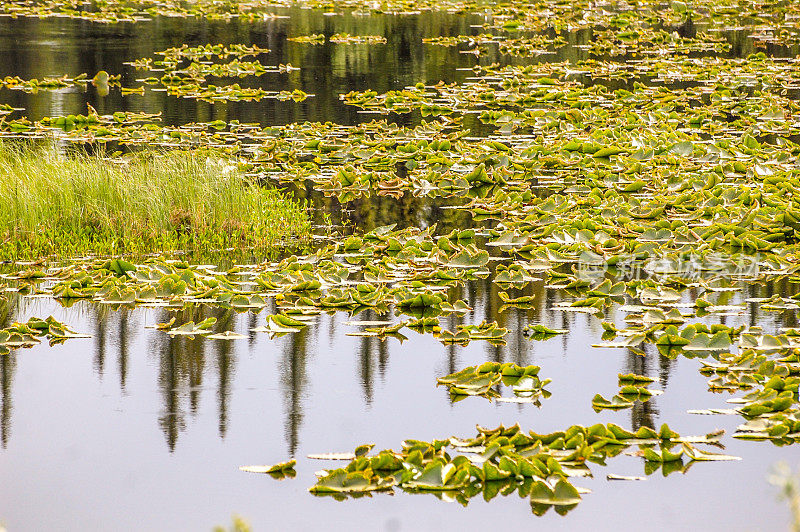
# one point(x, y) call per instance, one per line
point(134, 430)
point(56, 47)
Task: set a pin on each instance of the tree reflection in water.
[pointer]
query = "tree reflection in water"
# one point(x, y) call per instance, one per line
point(57, 46)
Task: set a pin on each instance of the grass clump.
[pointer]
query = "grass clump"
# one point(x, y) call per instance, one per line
point(52, 204)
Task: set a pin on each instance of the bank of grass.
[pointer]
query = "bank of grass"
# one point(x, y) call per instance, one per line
point(53, 204)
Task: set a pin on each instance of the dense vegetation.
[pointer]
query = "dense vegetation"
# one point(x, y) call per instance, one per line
point(624, 171)
point(56, 203)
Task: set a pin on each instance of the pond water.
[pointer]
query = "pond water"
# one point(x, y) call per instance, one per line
point(56, 47)
point(134, 430)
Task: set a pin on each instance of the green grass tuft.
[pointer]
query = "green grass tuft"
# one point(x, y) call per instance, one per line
point(52, 204)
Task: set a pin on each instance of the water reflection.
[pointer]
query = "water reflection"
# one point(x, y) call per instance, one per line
point(184, 365)
point(643, 412)
point(126, 334)
point(101, 326)
point(8, 364)
point(55, 47)
point(113, 326)
point(293, 373)
point(181, 364)
point(226, 364)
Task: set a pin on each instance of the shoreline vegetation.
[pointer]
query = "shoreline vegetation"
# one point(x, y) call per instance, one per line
point(155, 201)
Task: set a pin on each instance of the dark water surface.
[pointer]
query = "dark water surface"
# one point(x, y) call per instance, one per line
point(34, 48)
point(134, 430)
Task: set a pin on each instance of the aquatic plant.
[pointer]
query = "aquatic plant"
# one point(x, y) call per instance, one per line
point(29, 334)
point(507, 460)
point(67, 204)
point(641, 186)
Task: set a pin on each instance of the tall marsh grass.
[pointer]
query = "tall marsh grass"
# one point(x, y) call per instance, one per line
point(53, 204)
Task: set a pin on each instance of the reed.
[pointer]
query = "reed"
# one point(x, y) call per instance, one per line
point(57, 204)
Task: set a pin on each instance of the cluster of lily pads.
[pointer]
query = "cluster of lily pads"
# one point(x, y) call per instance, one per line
point(184, 72)
point(338, 38)
point(346, 38)
point(611, 42)
point(773, 23)
point(538, 467)
point(360, 273)
point(30, 333)
point(653, 181)
point(277, 471)
point(64, 82)
point(592, 184)
point(484, 380)
point(632, 388)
